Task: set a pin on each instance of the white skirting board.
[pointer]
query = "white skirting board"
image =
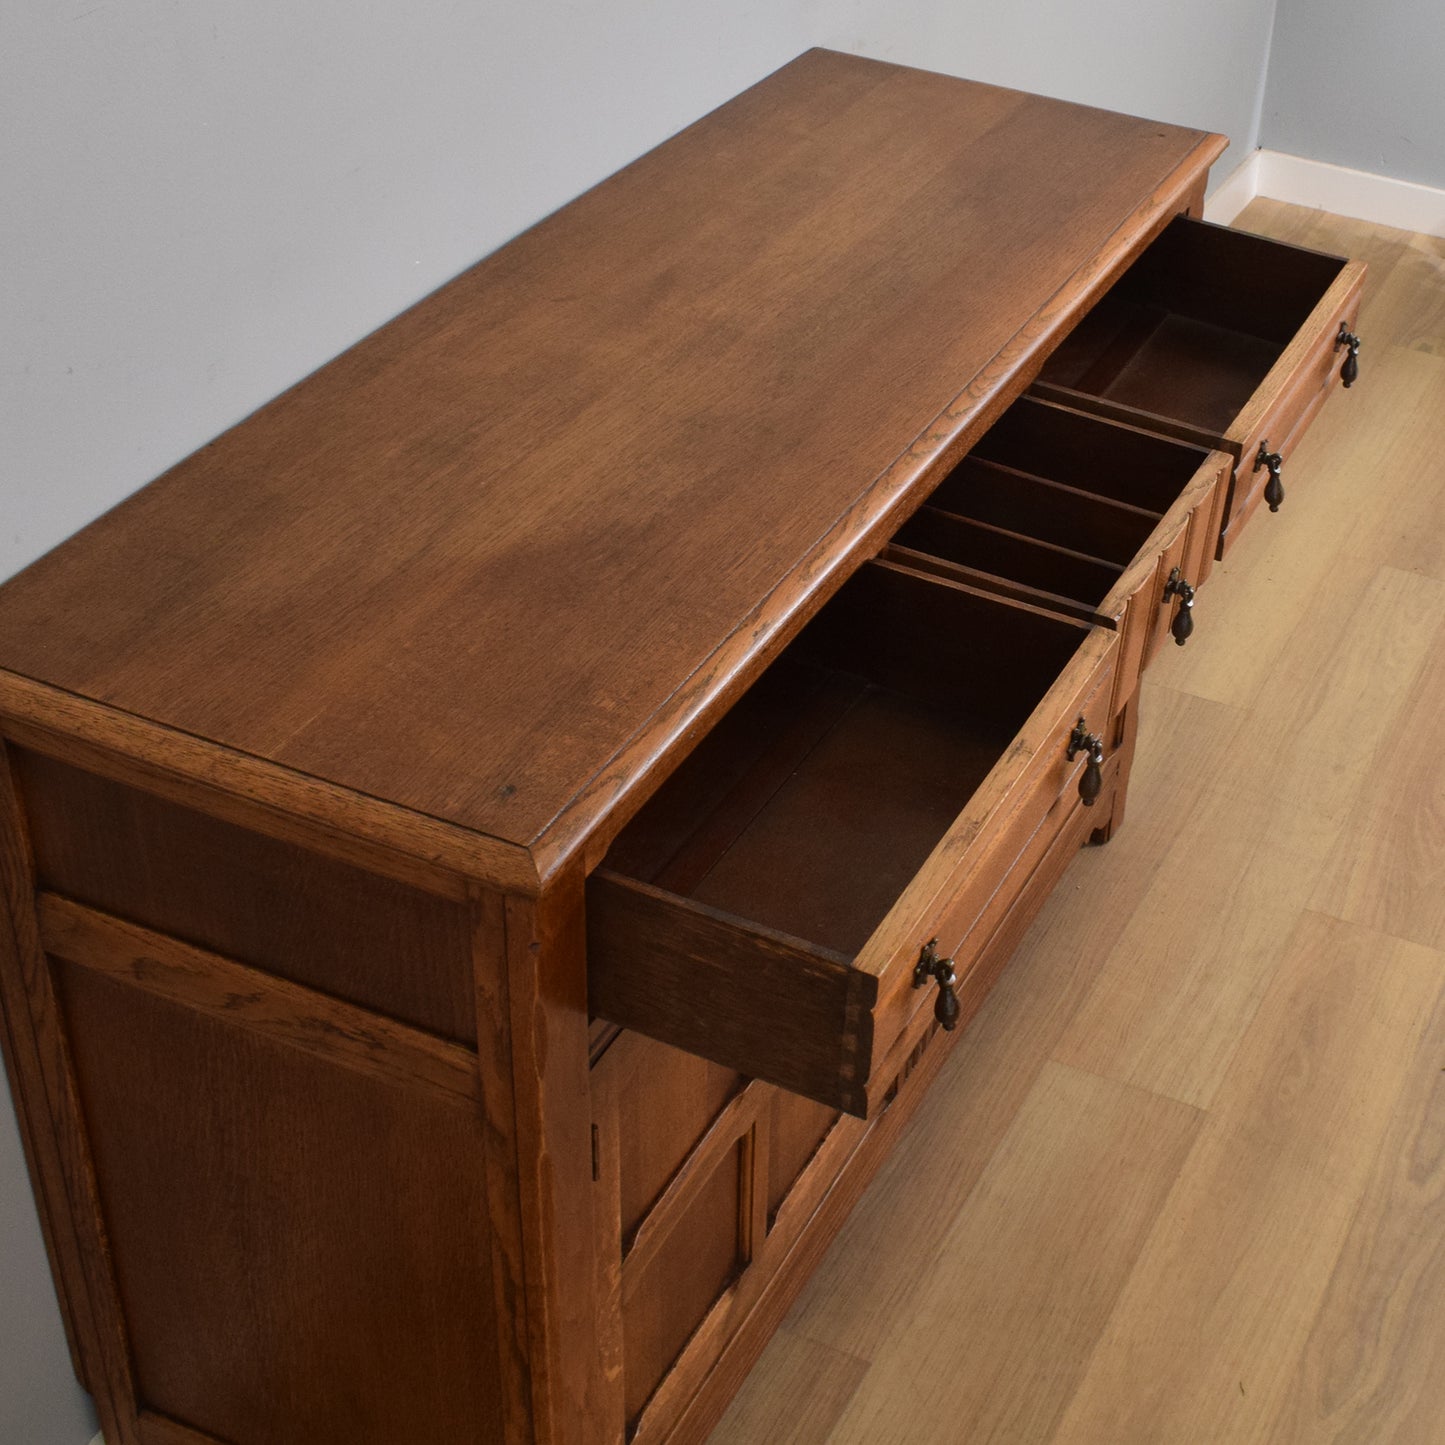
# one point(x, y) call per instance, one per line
point(1301, 182)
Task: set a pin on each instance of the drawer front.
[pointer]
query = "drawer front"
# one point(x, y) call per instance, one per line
point(1281, 411)
point(1150, 598)
point(989, 853)
point(986, 941)
point(1206, 524)
point(1153, 608)
point(666, 960)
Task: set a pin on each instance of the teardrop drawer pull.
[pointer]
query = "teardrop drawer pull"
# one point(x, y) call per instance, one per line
point(1350, 368)
point(931, 966)
point(1183, 624)
point(1273, 488)
point(1091, 780)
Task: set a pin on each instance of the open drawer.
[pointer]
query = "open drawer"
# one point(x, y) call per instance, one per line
point(1081, 515)
point(1218, 338)
point(882, 786)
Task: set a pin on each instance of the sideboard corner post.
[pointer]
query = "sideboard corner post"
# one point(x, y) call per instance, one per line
point(547, 1006)
point(52, 1134)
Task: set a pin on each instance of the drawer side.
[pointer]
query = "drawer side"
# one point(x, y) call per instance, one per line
point(756, 1001)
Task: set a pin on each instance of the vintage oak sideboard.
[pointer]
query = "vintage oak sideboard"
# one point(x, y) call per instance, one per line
point(489, 842)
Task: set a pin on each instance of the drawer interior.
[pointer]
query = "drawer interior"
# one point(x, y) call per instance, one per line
point(1050, 511)
point(1052, 505)
point(1194, 326)
point(809, 808)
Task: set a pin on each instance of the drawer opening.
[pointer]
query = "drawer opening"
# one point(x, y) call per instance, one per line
point(769, 859)
point(811, 805)
point(1193, 327)
point(834, 814)
point(1053, 506)
point(1121, 463)
point(1039, 572)
point(1046, 511)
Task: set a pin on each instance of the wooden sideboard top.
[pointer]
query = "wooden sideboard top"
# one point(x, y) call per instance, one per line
point(491, 563)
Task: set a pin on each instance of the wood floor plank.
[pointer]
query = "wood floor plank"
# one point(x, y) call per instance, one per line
point(1171, 1004)
point(1386, 869)
point(1373, 1368)
point(1204, 1336)
point(1330, 702)
point(1407, 306)
point(1398, 465)
point(1418, 293)
point(794, 1396)
point(1173, 725)
point(1169, 1008)
point(1244, 621)
point(1019, 1287)
point(1359, 492)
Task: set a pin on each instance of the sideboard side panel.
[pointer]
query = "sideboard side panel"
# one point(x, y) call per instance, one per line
point(277, 906)
point(299, 1248)
point(277, 1213)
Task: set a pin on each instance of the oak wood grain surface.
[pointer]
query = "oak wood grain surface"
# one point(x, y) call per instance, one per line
point(206, 983)
point(462, 568)
point(375, 1277)
point(305, 917)
point(1238, 1002)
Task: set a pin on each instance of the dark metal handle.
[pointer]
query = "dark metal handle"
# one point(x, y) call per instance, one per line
point(1350, 368)
point(1091, 780)
point(931, 966)
point(1183, 624)
point(1273, 488)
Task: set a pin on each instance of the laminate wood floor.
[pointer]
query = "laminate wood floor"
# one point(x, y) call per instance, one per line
point(1183, 1181)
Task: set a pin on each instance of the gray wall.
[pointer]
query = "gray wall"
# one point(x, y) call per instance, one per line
point(1360, 85)
point(206, 201)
